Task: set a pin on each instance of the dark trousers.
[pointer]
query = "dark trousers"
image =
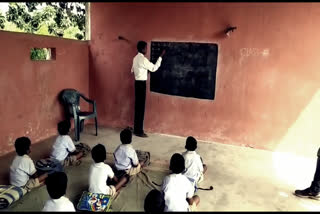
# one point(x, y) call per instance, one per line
point(139, 105)
point(315, 185)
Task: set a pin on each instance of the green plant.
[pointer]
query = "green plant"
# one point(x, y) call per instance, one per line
point(2, 21)
point(54, 18)
point(39, 54)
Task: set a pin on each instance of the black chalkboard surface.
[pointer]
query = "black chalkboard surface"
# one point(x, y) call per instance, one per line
point(187, 69)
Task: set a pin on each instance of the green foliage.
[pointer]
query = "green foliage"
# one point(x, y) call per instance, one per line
point(2, 21)
point(55, 18)
point(9, 26)
point(39, 54)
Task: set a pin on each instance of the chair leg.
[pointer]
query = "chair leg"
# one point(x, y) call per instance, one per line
point(96, 120)
point(81, 126)
point(79, 130)
point(76, 129)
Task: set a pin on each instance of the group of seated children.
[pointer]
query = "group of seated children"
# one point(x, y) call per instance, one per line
point(100, 173)
point(22, 170)
point(24, 174)
point(178, 188)
point(126, 159)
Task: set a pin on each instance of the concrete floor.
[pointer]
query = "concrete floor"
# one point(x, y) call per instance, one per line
point(244, 179)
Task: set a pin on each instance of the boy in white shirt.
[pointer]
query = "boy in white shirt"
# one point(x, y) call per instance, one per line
point(125, 156)
point(154, 202)
point(56, 187)
point(22, 170)
point(193, 162)
point(64, 149)
point(100, 172)
point(177, 189)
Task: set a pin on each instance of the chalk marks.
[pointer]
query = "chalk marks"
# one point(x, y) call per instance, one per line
point(265, 52)
point(253, 52)
point(247, 52)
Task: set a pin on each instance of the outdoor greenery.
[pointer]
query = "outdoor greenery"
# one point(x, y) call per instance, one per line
point(2, 20)
point(39, 54)
point(62, 19)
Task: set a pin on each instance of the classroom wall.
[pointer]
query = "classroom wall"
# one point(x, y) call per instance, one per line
point(29, 89)
point(267, 73)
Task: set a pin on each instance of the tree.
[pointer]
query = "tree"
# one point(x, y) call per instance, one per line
point(2, 21)
point(56, 16)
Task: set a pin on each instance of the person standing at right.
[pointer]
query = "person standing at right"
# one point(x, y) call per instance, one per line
point(313, 191)
point(140, 67)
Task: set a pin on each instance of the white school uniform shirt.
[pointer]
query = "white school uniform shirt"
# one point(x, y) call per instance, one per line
point(193, 164)
point(21, 169)
point(177, 188)
point(125, 156)
point(98, 175)
point(62, 146)
point(141, 65)
point(61, 204)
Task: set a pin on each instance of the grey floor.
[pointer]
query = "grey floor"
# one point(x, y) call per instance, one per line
point(244, 179)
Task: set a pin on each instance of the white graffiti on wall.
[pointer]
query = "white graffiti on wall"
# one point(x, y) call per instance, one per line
point(252, 52)
point(246, 52)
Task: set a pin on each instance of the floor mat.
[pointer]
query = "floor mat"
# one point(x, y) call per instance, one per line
point(131, 197)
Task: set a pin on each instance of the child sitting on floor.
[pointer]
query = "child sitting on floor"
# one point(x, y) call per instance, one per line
point(22, 170)
point(193, 162)
point(125, 156)
point(177, 189)
point(100, 172)
point(64, 149)
point(56, 187)
point(154, 202)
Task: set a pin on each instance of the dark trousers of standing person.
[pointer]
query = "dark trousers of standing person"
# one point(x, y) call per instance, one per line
point(315, 185)
point(139, 106)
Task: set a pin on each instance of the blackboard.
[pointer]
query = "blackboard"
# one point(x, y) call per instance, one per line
point(187, 69)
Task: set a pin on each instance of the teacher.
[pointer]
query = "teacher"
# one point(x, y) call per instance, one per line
point(140, 67)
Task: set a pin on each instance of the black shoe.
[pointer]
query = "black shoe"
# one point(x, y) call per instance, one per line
point(307, 193)
point(141, 134)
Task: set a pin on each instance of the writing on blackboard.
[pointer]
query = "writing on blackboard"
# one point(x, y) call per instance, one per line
point(187, 69)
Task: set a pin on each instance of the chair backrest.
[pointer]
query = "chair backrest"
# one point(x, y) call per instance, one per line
point(70, 97)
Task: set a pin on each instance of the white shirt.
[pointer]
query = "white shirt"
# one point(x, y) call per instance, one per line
point(62, 146)
point(21, 169)
point(193, 164)
point(61, 204)
point(177, 188)
point(125, 156)
point(141, 65)
point(98, 175)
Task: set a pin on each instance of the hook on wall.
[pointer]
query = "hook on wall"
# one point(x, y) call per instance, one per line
point(122, 38)
point(229, 30)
